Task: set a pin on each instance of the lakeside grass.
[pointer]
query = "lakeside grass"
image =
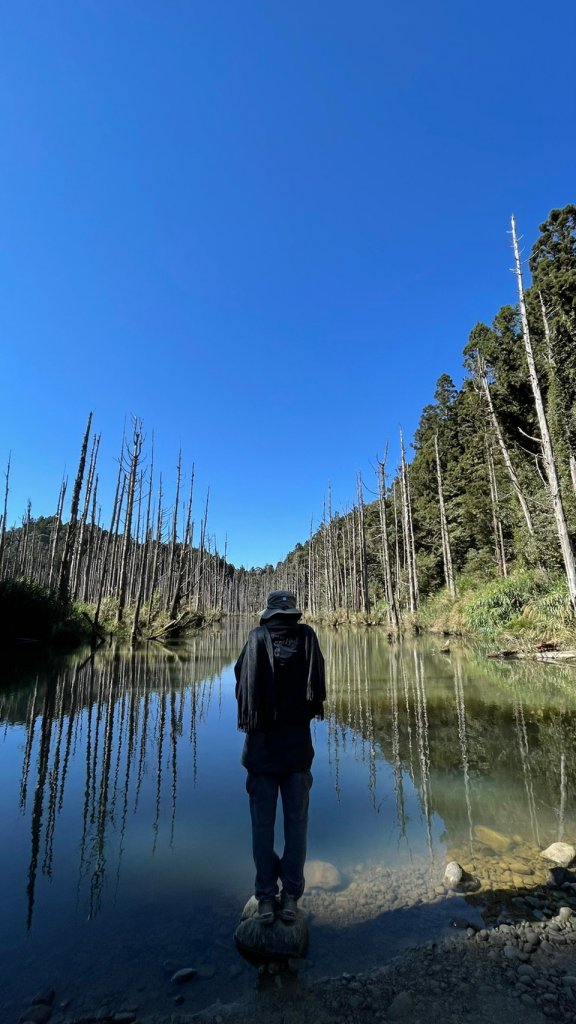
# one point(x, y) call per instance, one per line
point(521, 611)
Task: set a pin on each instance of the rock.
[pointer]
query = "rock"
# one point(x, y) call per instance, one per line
point(184, 974)
point(453, 874)
point(37, 1014)
point(46, 996)
point(564, 914)
point(320, 874)
point(256, 941)
point(178, 1000)
point(561, 853)
point(495, 840)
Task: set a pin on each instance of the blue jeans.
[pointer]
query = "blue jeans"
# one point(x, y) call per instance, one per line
point(294, 788)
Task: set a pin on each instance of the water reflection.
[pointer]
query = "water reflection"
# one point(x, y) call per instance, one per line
point(123, 770)
point(125, 712)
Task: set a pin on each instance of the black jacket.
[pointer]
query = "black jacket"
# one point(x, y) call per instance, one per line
point(280, 687)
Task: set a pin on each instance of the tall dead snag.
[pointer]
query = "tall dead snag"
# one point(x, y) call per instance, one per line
point(362, 564)
point(393, 617)
point(56, 529)
point(483, 381)
point(108, 541)
point(65, 564)
point(184, 547)
point(4, 514)
point(446, 551)
point(75, 569)
point(134, 454)
point(174, 531)
point(546, 441)
point(496, 520)
point(408, 528)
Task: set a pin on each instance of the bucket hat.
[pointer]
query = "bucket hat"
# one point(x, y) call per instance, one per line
point(280, 602)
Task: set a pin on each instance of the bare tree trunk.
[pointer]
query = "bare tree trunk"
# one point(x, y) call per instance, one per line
point(64, 577)
point(56, 530)
point(446, 551)
point(364, 595)
point(547, 449)
point(4, 514)
point(137, 441)
point(75, 571)
point(393, 618)
point(502, 446)
point(109, 539)
point(496, 521)
point(408, 531)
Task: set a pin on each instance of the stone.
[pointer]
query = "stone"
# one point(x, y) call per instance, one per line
point(495, 840)
point(453, 874)
point(45, 995)
point(256, 941)
point(183, 975)
point(561, 853)
point(37, 1014)
point(565, 913)
point(320, 874)
point(400, 1006)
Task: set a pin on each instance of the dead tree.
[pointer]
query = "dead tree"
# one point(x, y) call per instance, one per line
point(548, 456)
point(392, 606)
point(4, 514)
point(408, 530)
point(64, 577)
point(496, 520)
point(446, 550)
point(483, 379)
point(137, 441)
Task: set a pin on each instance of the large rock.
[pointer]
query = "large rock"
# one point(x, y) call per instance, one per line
point(271, 942)
point(320, 874)
point(561, 853)
point(453, 875)
point(495, 840)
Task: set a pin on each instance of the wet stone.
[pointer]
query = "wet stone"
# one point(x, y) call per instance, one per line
point(183, 975)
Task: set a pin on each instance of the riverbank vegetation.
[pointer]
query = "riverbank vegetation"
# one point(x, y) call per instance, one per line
point(474, 534)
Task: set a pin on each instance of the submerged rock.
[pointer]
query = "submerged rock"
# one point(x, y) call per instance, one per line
point(561, 853)
point(495, 840)
point(320, 874)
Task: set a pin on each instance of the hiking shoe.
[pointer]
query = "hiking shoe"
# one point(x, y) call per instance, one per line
point(288, 908)
point(265, 912)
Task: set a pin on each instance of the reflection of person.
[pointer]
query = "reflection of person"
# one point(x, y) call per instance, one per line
point(280, 687)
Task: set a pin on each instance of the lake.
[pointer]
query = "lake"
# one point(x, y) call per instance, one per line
point(126, 837)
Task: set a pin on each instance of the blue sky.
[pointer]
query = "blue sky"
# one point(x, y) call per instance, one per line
point(265, 227)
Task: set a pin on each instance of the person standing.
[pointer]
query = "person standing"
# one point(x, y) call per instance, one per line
point(280, 688)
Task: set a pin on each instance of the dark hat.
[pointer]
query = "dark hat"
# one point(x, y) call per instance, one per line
point(280, 602)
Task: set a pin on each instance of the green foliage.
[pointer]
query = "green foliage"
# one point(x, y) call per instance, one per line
point(30, 612)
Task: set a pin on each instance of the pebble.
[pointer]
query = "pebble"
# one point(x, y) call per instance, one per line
point(183, 975)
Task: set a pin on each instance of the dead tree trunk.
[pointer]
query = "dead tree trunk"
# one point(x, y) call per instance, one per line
point(446, 550)
point(546, 441)
point(4, 514)
point(408, 528)
point(56, 530)
point(496, 521)
point(392, 610)
point(137, 441)
point(64, 577)
point(502, 445)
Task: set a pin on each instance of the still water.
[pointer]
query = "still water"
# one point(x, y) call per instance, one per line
point(125, 830)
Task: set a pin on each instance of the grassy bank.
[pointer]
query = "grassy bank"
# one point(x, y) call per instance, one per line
point(30, 613)
point(527, 608)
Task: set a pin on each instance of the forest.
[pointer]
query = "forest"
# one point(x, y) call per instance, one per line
point(472, 533)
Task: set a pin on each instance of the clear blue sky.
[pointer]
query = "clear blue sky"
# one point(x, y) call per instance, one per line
point(264, 226)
